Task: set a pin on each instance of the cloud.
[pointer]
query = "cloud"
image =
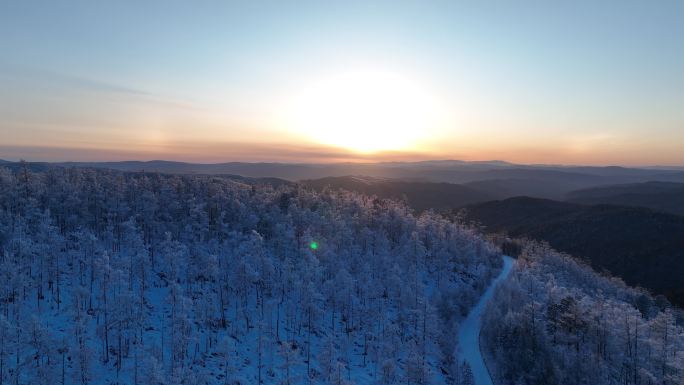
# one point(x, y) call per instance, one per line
point(44, 76)
point(58, 82)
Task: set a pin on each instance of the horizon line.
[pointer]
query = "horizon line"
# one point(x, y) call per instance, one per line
point(347, 162)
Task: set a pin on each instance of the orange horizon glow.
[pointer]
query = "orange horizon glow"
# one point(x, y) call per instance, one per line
point(209, 153)
point(596, 84)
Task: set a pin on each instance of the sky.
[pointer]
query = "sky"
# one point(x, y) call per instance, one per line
point(574, 82)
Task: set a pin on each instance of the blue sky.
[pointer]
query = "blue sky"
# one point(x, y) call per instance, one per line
point(531, 81)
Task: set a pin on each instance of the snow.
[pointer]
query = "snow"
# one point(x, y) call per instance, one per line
point(143, 288)
point(469, 331)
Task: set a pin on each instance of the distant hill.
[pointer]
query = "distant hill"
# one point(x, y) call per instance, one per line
point(495, 179)
point(540, 188)
point(162, 168)
point(257, 170)
point(669, 176)
point(32, 166)
point(612, 171)
point(642, 246)
point(661, 196)
point(259, 181)
point(419, 195)
point(452, 171)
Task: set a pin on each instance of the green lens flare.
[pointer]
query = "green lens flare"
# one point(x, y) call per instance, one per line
point(313, 245)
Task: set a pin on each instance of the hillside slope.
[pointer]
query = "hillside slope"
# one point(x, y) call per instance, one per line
point(129, 278)
point(419, 195)
point(556, 322)
point(661, 196)
point(641, 246)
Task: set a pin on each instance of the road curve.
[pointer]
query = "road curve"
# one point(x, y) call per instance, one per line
point(469, 330)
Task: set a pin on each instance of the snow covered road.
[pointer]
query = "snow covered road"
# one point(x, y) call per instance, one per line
point(469, 332)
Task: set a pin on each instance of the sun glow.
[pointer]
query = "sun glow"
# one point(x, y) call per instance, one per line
point(364, 111)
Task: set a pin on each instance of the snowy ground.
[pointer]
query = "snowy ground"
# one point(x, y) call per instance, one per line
point(469, 332)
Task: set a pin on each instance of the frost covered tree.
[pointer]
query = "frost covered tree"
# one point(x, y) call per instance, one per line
point(141, 278)
point(555, 321)
point(466, 375)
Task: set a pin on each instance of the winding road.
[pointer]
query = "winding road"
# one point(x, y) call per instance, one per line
point(469, 331)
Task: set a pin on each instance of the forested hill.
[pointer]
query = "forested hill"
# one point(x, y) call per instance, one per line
point(555, 321)
point(418, 195)
point(661, 196)
point(642, 246)
point(110, 277)
point(132, 278)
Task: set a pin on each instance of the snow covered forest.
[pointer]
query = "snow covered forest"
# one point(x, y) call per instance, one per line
point(556, 321)
point(132, 278)
point(135, 278)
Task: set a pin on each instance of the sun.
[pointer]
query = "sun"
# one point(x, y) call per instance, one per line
point(364, 111)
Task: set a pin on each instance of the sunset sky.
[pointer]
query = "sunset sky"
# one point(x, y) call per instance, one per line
point(576, 82)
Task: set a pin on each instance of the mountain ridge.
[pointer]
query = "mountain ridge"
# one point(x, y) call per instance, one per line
point(642, 246)
point(661, 196)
